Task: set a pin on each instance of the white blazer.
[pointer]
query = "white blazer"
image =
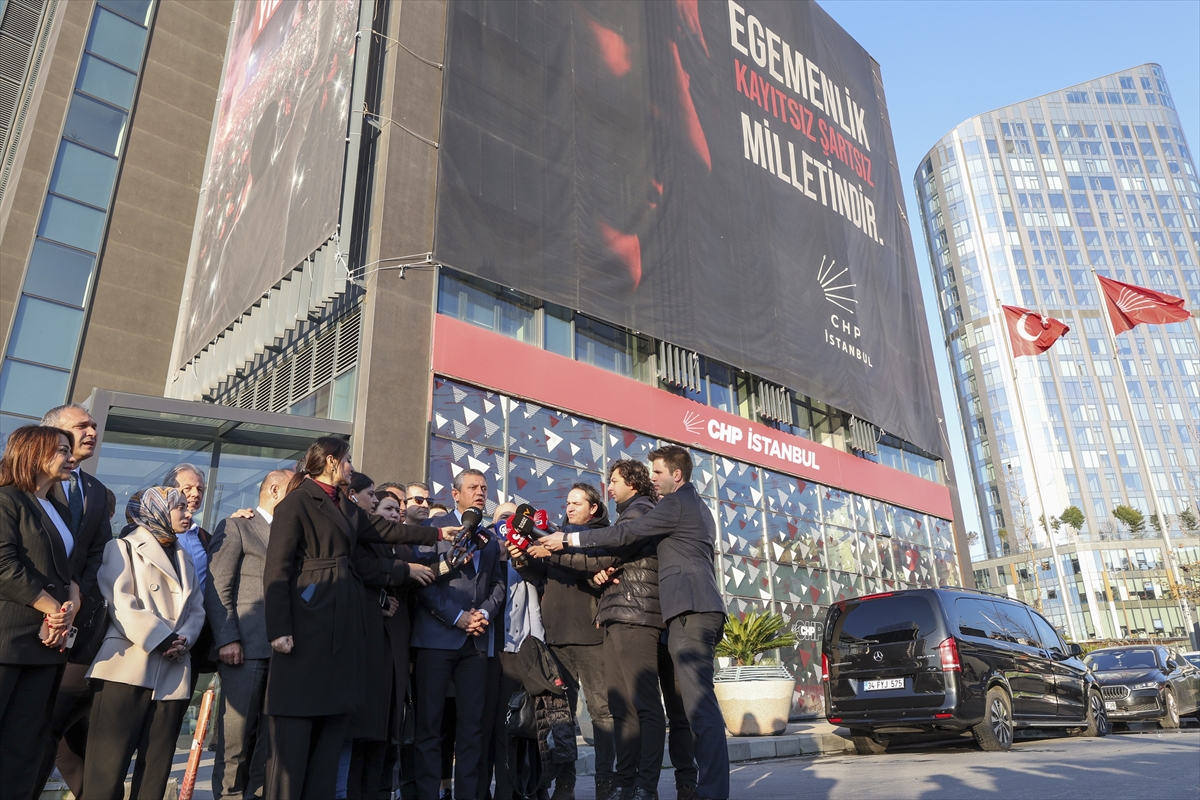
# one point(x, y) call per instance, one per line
point(147, 603)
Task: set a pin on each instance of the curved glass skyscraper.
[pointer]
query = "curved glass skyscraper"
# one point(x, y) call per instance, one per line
point(1024, 206)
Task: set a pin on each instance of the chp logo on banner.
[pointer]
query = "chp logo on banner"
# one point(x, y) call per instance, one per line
point(1030, 333)
point(1130, 305)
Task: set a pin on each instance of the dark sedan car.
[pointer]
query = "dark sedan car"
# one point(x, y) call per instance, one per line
point(1142, 682)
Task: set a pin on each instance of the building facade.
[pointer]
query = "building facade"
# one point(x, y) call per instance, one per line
point(1023, 206)
point(101, 151)
point(315, 287)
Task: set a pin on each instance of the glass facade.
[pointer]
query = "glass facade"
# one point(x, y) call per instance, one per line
point(1020, 206)
point(47, 327)
point(562, 331)
point(785, 544)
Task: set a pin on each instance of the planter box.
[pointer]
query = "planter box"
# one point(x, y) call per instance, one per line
point(755, 701)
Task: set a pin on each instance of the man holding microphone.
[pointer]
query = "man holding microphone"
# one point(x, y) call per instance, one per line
point(691, 602)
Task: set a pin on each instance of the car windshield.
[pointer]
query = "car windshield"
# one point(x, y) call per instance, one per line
point(1109, 660)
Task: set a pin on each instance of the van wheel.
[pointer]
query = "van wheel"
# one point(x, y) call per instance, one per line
point(866, 746)
point(1171, 718)
point(1097, 718)
point(995, 732)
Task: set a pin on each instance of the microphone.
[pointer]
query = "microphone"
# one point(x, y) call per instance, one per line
point(542, 521)
point(514, 536)
point(470, 540)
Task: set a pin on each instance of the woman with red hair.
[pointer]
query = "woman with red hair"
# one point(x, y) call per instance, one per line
point(39, 597)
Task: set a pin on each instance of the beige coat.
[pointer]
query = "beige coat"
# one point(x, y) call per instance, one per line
point(147, 602)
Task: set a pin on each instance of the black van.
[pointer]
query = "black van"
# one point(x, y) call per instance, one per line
point(952, 660)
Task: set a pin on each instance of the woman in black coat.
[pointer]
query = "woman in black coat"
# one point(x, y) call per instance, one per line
point(41, 567)
point(315, 619)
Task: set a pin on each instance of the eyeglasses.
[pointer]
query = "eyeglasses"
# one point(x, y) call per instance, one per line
point(418, 499)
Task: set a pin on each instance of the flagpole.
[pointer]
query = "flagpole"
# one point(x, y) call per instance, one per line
point(1058, 567)
point(1172, 569)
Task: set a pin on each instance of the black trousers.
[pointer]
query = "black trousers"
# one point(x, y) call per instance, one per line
point(680, 743)
point(124, 719)
point(466, 668)
point(366, 769)
point(631, 663)
point(491, 740)
point(509, 684)
point(26, 702)
point(585, 665)
point(68, 720)
point(302, 756)
point(692, 639)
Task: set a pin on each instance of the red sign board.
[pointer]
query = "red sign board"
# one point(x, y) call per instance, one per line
point(473, 355)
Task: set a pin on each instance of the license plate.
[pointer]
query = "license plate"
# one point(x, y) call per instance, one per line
point(885, 683)
point(1110, 706)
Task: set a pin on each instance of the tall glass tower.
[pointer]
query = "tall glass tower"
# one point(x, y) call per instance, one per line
point(1023, 206)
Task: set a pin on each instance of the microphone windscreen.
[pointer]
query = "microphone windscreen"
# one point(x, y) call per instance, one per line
point(525, 510)
point(524, 525)
point(471, 518)
point(541, 519)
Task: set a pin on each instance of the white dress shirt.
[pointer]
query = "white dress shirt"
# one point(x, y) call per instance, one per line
point(63, 530)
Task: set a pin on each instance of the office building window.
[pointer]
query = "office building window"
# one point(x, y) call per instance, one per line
point(60, 275)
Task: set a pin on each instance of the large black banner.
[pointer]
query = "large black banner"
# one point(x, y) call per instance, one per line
point(720, 175)
point(274, 174)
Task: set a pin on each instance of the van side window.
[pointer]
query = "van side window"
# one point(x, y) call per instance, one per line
point(1018, 627)
point(1049, 636)
point(977, 617)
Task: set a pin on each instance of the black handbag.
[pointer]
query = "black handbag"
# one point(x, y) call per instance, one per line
point(522, 716)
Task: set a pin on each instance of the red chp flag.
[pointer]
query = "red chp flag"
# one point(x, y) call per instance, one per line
point(1029, 332)
point(1130, 305)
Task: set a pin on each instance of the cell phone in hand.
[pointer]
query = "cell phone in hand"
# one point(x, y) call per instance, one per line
point(71, 637)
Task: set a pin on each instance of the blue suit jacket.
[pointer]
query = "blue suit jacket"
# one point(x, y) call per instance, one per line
point(440, 603)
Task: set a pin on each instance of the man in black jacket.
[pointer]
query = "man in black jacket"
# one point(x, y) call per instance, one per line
point(635, 651)
point(569, 603)
point(690, 600)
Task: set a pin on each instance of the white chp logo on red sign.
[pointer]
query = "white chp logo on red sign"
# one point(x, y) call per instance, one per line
point(755, 442)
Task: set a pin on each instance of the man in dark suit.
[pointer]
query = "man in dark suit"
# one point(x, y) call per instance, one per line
point(452, 643)
point(84, 497)
point(86, 500)
point(690, 600)
point(233, 601)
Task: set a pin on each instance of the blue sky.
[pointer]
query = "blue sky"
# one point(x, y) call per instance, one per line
point(945, 61)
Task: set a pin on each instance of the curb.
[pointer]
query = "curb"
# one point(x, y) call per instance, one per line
point(754, 748)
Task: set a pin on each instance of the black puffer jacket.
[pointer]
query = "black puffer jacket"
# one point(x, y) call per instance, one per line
point(569, 599)
point(633, 601)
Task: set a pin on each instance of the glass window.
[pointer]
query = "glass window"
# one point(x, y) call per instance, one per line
point(59, 273)
point(242, 468)
point(977, 617)
point(1047, 634)
point(886, 620)
point(136, 10)
point(342, 403)
point(106, 81)
point(500, 310)
point(29, 389)
point(83, 174)
point(1017, 624)
point(71, 223)
point(116, 39)
point(558, 332)
point(604, 346)
point(720, 386)
point(45, 332)
point(95, 124)
point(129, 462)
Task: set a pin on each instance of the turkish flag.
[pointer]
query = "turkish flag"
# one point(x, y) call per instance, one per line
point(1130, 305)
point(1029, 332)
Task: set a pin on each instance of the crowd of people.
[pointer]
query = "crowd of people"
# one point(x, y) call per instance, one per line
point(364, 642)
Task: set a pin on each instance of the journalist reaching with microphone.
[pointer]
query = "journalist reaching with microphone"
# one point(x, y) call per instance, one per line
point(689, 597)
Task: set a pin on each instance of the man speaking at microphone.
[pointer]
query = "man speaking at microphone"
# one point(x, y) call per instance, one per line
point(691, 602)
point(452, 642)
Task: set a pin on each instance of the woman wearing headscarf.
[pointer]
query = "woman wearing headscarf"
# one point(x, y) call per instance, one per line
point(39, 596)
point(142, 673)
